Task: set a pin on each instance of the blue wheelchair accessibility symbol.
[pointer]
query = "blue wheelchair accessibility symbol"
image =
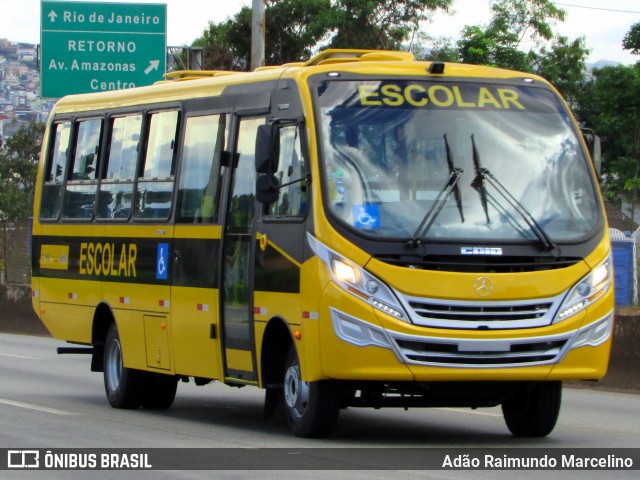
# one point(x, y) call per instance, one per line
point(162, 263)
point(366, 216)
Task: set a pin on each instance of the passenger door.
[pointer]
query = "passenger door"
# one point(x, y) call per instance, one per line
point(238, 248)
point(197, 244)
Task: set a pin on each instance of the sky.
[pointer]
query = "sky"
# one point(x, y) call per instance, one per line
point(604, 24)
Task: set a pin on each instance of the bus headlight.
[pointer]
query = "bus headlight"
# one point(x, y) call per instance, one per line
point(343, 271)
point(587, 291)
point(358, 282)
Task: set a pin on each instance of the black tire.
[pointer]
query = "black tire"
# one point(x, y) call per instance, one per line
point(124, 386)
point(273, 404)
point(534, 411)
point(159, 390)
point(310, 408)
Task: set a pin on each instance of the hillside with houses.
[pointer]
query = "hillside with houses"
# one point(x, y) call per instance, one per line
point(20, 99)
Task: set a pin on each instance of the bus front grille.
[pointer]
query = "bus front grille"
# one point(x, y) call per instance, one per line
point(481, 353)
point(481, 312)
point(482, 315)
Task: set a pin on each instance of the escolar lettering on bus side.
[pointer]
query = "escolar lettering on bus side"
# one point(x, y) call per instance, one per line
point(108, 259)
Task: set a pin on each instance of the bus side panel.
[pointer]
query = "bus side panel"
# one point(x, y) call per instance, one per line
point(67, 307)
point(195, 321)
point(195, 310)
point(131, 307)
point(137, 287)
point(66, 322)
point(132, 338)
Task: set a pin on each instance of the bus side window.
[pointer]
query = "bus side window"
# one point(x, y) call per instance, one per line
point(116, 188)
point(55, 171)
point(292, 175)
point(200, 173)
point(81, 189)
point(155, 185)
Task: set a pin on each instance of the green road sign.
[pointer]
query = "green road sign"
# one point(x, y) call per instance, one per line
point(95, 47)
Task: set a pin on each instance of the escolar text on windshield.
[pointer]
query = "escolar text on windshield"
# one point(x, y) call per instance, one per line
point(442, 96)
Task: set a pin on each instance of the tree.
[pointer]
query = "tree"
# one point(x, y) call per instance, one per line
point(493, 47)
point(631, 40)
point(292, 29)
point(564, 65)
point(218, 53)
point(18, 168)
point(611, 106)
point(381, 24)
point(520, 37)
point(441, 49)
point(514, 23)
point(296, 28)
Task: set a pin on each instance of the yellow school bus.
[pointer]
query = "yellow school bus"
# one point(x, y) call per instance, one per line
point(360, 230)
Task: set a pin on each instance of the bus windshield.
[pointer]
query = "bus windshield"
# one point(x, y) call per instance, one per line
point(419, 160)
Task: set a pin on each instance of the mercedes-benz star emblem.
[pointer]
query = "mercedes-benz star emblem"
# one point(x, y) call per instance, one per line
point(483, 286)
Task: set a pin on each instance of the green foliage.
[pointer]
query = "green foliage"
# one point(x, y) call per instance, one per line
point(18, 168)
point(631, 40)
point(440, 50)
point(295, 29)
point(564, 65)
point(219, 52)
point(514, 23)
point(382, 24)
point(610, 104)
point(521, 20)
point(528, 23)
point(292, 29)
point(492, 47)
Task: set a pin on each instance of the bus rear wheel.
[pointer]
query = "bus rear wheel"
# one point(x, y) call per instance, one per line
point(534, 411)
point(310, 408)
point(124, 386)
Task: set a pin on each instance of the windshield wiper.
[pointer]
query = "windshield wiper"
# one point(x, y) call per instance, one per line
point(482, 175)
point(451, 186)
point(453, 171)
point(478, 180)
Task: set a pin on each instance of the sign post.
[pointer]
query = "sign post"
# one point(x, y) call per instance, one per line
point(95, 47)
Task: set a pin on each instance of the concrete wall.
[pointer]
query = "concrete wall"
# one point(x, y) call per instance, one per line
point(16, 312)
point(17, 316)
point(624, 366)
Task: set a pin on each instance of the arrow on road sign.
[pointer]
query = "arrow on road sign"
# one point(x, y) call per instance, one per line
point(52, 16)
point(153, 65)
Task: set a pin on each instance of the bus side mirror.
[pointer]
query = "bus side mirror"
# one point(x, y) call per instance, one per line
point(267, 148)
point(595, 150)
point(267, 188)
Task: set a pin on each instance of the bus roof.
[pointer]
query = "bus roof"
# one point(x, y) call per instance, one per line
point(184, 84)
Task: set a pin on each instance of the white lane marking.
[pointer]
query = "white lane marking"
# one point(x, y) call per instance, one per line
point(37, 408)
point(18, 356)
point(469, 411)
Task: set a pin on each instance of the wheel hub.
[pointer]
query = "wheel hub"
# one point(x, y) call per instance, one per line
point(296, 392)
point(113, 365)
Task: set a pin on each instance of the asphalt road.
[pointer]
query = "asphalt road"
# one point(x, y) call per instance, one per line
point(52, 401)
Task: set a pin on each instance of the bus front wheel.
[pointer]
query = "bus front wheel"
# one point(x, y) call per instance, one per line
point(534, 411)
point(123, 386)
point(310, 408)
